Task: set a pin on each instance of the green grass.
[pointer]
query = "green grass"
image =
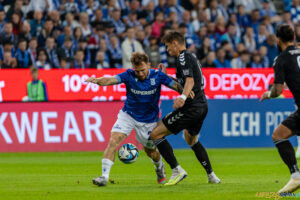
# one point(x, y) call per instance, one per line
point(43, 176)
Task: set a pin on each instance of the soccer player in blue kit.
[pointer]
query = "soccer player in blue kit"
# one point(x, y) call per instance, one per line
point(140, 112)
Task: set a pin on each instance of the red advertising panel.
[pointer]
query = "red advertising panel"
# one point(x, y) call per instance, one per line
point(69, 85)
point(67, 126)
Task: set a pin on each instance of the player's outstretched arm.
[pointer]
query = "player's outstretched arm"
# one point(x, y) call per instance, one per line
point(177, 87)
point(103, 81)
point(273, 93)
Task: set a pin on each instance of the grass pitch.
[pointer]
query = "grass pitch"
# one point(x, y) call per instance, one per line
point(44, 176)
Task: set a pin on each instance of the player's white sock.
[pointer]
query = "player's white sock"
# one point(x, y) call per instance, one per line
point(296, 175)
point(157, 164)
point(106, 166)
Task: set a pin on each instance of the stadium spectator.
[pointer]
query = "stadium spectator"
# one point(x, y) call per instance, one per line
point(220, 27)
point(242, 18)
point(249, 39)
point(67, 50)
point(266, 20)
point(8, 61)
point(43, 60)
point(84, 24)
point(25, 31)
point(41, 5)
point(231, 36)
point(78, 62)
point(36, 89)
point(97, 20)
point(203, 51)
point(101, 62)
point(32, 50)
point(140, 37)
point(267, 10)
point(51, 52)
point(67, 32)
point(55, 18)
point(188, 40)
point(213, 11)
point(2, 20)
point(36, 23)
point(263, 53)
point(46, 32)
point(64, 64)
point(158, 24)
point(77, 34)
point(129, 46)
point(115, 52)
point(116, 20)
point(71, 6)
point(254, 20)
point(69, 21)
point(257, 61)
point(22, 55)
point(83, 46)
point(17, 23)
point(295, 11)
point(209, 60)
point(262, 35)
point(215, 38)
point(233, 21)
point(271, 45)
point(286, 18)
point(8, 35)
point(15, 8)
point(242, 61)
point(153, 52)
point(221, 61)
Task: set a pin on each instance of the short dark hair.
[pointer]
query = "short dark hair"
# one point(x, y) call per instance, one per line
point(285, 33)
point(137, 58)
point(174, 36)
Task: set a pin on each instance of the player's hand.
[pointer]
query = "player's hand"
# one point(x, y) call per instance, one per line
point(191, 95)
point(178, 103)
point(162, 67)
point(266, 95)
point(91, 80)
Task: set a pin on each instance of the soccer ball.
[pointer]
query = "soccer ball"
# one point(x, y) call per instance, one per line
point(128, 153)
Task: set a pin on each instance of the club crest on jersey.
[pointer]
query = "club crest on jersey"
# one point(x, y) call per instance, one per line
point(152, 81)
point(185, 72)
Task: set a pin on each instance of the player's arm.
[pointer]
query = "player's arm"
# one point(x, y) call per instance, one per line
point(103, 81)
point(279, 80)
point(273, 93)
point(188, 86)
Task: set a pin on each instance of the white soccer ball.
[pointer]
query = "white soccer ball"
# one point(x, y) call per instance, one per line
point(128, 153)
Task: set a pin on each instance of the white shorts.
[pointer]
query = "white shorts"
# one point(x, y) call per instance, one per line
point(125, 124)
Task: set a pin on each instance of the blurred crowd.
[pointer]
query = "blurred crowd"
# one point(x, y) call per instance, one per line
point(80, 34)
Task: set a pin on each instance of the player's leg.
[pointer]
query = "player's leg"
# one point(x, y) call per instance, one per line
point(298, 148)
point(108, 158)
point(287, 154)
point(142, 135)
point(121, 129)
point(158, 164)
point(201, 155)
point(172, 123)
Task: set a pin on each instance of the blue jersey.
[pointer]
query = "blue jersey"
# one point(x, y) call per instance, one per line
point(143, 96)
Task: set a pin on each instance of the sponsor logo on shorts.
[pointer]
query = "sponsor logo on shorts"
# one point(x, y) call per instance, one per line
point(117, 127)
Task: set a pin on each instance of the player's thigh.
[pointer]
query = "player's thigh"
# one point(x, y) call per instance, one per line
point(159, 131)
point(195, 123)
point(290, 126)
point(124, 124)
point(143, 131)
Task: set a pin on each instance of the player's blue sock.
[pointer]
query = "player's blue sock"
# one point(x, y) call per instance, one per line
point(202, 156)
point(166, 151)
point(287, 154)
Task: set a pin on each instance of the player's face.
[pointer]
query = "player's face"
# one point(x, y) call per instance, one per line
point(141, 71)
point(172, 48)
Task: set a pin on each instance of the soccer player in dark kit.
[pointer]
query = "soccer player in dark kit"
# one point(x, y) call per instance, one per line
point(287, 69)
point(188, 115)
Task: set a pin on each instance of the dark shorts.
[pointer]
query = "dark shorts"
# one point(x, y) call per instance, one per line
point(293, 122)
point(190, 118)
